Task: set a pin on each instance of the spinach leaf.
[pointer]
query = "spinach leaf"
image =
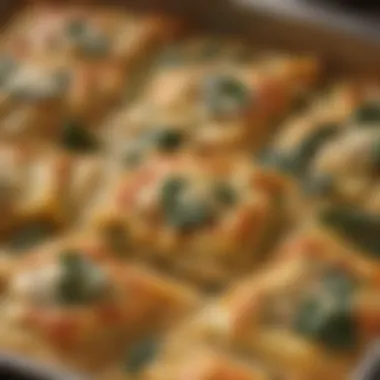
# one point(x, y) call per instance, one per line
point(81, 282)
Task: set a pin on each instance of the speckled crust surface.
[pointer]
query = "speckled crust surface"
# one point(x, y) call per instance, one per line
point(216, 95)
point(202, 363)
point(62, 63)
point(85, 328)
point(208, 219)
point(87, 32)
point(330, 149)
point(317, 303)
point(43, 188)
point(198, 362)
point(182, 206)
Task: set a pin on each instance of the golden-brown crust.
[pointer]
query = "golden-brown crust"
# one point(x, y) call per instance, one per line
point(245, 317)
point(89, 334)
point(208, 251)
point(121, 236)
point(203, 363)
point(44, 184)
point(42, 29)
point(96, 80)
point(329, 150)
point(174, 96)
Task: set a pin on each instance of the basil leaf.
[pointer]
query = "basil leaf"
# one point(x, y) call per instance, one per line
point(81, 282)
point(368, 113)
point(337, 282)
point(171, 190)
point(166, 139)
point(332, 325)
point(89, 40)
point(224, 95)
point(186, 216)
point(77, 138)
point(274, 159)
point(359, 228)
point(300, 159)
point(141, 355)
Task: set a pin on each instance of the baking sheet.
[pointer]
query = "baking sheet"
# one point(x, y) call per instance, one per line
point(12, 367)
point(347, 43)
